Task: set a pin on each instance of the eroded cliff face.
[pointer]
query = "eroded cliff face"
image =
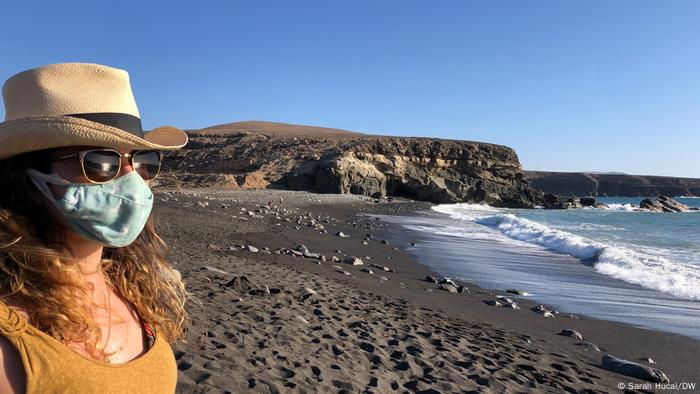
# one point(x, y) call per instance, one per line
point(441, 171)
point(611, 185)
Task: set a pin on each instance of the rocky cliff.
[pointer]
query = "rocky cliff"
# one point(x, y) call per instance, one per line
point(259, 154)
point(611, 185)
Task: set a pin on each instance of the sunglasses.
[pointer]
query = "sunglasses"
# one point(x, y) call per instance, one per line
point(104, 165)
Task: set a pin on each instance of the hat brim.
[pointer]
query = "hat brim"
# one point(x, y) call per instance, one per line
point(46, 132)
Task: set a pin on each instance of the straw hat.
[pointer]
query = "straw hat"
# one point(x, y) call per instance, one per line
point(74, 104)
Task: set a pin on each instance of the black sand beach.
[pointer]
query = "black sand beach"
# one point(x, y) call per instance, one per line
point(385, 331)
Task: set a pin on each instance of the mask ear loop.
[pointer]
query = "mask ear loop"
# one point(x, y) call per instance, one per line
point(41, 181)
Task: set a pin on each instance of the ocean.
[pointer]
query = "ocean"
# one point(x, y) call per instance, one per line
point(641, 268)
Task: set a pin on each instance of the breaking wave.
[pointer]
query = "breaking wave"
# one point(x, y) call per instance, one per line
point(652, 269)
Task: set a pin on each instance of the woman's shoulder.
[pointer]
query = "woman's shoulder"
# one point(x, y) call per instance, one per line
point(12, 376)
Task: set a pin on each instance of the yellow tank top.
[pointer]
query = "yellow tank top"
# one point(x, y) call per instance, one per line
point(52, 367)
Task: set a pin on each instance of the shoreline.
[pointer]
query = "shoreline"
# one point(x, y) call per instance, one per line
point(552, 275)
point(674, 354)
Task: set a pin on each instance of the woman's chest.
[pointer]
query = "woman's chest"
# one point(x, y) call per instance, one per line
point(122, 332)
point(123, 336)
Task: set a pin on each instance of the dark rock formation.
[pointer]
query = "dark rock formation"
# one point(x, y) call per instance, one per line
point(611, 185)
point(258, 155)
point(552, 201)
point(587, 202)
point(663, 204)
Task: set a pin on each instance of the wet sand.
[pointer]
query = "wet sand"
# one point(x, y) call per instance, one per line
point(254, 330)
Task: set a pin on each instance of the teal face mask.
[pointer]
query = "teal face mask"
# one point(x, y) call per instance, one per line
point(112, 213)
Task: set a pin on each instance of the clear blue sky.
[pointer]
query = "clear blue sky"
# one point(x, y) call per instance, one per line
point(571, 85)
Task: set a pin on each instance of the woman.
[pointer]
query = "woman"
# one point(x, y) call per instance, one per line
point(88, 302)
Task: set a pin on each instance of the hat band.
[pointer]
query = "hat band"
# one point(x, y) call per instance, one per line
point(126, 122)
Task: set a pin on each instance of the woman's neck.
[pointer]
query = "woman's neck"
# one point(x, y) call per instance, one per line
point(88, 255)
point(90, 263)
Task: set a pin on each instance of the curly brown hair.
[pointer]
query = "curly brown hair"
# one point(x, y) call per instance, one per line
point(38, 274)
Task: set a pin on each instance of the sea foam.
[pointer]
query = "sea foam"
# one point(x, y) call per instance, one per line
point(651, 269)
point(621, 207)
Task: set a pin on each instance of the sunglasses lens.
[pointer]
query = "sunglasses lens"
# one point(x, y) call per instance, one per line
point(101, 166)
point(147, 164)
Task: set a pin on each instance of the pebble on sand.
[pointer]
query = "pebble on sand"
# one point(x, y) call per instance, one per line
point(343, 272)
point(588, 346)
point(506, 299)
point(382, 267)
point(352, 260)
point(629, 368)
point(447, 281)
point(301, 319)
point(543, 311)
point(307, 293)
point(447, 287)
point(311, 255)
point(571, 333)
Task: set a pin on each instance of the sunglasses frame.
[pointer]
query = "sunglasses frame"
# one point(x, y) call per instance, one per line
point(81, 157)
